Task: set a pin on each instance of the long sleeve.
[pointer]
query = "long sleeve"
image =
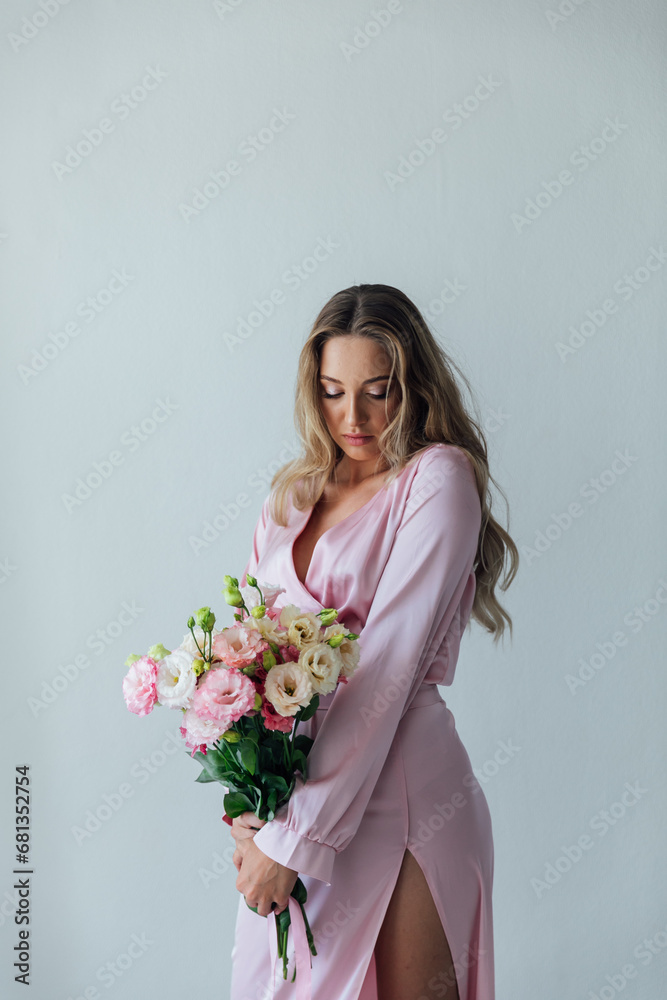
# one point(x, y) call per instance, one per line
point(428, 568)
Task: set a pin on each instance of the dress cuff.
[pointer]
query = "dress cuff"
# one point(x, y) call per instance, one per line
point(293, 851)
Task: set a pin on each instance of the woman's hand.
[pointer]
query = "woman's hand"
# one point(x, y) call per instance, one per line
point(244, 828)
point(263, 880)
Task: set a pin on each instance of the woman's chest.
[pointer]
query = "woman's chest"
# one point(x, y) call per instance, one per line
point(330, 562)
point(328, 512)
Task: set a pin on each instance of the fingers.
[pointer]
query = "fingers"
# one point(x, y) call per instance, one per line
point(249, 819)
point(246, 825)
point(265, 907)
point(241, 833)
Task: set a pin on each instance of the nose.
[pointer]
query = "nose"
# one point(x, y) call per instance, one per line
point(356, 415)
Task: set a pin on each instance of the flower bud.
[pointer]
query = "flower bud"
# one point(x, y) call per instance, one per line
point(198, 667)
point(191, 622)
point(158, 652)
point(231, 736)
point(251, 581)
point(336, 640)
point(205, 618)
point(233, 596)
point(328, 615)
point(132, 658)
point(268, 659)
point(258, 701)
point(258, 611)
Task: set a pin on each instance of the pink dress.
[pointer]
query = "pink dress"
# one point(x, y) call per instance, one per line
point(387, 770)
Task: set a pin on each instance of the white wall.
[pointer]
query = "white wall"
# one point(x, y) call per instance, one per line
point(355, 106)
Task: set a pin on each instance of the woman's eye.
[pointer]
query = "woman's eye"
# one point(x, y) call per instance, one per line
point(335, 395)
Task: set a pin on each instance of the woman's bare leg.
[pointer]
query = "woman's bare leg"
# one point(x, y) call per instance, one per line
point(412, 948)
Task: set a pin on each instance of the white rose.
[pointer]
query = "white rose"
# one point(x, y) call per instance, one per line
point(323, 664)
point(270, 592)
point(303, 627)
point(189, 645)
point(288, 687)
point(348, 649)
point(176, 680)
point(270, 630)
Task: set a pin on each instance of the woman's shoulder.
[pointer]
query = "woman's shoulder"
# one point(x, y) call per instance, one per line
point(440, 455)
point(444, 475)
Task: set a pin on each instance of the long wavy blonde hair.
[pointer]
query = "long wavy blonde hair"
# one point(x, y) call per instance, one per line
point(431, 409)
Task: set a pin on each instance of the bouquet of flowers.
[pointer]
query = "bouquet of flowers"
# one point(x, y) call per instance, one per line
point(242, 691)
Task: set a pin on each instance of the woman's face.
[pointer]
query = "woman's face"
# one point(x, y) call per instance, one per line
point(354, 373)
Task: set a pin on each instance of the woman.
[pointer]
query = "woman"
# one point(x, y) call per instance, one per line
point(386, 517)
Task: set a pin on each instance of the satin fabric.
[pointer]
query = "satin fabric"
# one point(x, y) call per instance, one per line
point(387, 771)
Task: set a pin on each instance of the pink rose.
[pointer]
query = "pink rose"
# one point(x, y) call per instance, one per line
point(238, 646)
point(274, 720)
point(139, 686)
point(224, 695)
point(199, 733)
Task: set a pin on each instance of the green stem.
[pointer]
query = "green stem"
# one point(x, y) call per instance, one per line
point(203, 655)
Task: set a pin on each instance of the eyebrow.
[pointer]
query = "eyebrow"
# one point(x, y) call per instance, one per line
point(377, 378)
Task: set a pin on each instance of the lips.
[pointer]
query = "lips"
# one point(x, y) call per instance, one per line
point(358, 438)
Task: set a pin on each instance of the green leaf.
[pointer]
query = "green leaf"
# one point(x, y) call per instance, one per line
point(204, 776)
point(303, 743)
point(310, 710)
point(236, 803)
point(275, 782)
point(213, 763)
point(271, 801)
point(299, 892)
point(247, 754)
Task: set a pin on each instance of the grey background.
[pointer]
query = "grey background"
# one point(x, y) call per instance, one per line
point(358, 97)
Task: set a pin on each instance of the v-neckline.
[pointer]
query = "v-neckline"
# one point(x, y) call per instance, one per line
point(355, 514)
point(307, 512)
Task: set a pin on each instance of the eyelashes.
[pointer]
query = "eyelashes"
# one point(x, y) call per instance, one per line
point(335, 395)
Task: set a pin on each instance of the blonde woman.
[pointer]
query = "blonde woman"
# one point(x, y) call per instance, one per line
point(386, 517)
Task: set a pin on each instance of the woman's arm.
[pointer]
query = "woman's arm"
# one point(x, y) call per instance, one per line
point(426, 574)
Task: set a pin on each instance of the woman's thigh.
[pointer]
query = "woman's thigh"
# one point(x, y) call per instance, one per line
point(412, 949)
